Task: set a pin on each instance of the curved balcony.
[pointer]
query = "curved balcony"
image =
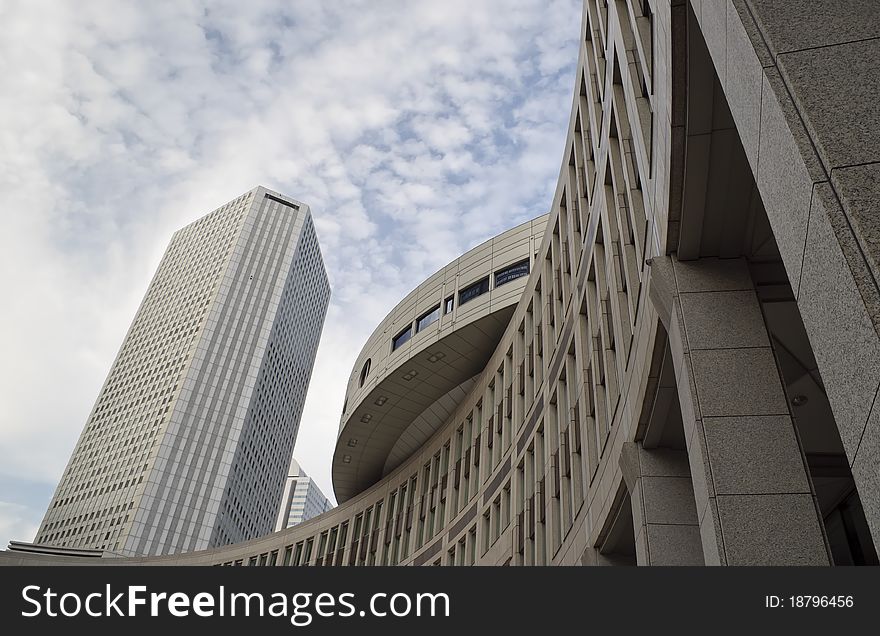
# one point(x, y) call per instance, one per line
point(421, 360)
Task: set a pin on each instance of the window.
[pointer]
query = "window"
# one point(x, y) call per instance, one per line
point(297, 556)
point(364, 373)
point(428, 319)
point(473, 290)
point(448, 305)
point(512, 272)
point(402, 338)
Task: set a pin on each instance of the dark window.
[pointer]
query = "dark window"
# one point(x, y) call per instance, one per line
point(511, 273)
point(401, 338)
point(365, 371)
point(448, 304)
point(473, 290)
point(428, 318)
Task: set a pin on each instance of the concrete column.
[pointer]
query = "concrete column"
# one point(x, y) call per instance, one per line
point(754, 501)
point(664, 515)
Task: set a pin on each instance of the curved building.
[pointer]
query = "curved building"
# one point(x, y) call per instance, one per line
point(423, 359)
point(688, 373)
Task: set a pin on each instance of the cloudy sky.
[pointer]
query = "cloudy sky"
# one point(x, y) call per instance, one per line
point(414, 130)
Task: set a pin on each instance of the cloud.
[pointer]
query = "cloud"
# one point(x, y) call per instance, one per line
point(17, 522)
point(414, 130)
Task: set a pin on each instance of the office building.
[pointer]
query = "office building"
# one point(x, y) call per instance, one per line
point(301, 499)
point(192, 433)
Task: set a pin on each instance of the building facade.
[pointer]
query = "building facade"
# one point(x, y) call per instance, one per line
point(688, 372)
point(301, 499)
point(190, 438)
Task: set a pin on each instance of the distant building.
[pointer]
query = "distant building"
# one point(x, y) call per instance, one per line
point(302, 499)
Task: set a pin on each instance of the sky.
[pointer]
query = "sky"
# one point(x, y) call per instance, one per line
point(414, 130)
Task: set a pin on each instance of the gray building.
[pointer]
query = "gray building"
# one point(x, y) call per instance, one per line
point(190, 438)
point(680, 363)
point(301, 500)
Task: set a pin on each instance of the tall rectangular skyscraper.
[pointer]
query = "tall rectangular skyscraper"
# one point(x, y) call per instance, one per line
point(189, 441)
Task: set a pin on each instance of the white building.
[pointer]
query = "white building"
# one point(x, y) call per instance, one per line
point(302, 499)
point(190, 438)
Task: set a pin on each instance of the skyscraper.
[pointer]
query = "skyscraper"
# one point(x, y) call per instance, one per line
point(190, 438)
point(302, 499)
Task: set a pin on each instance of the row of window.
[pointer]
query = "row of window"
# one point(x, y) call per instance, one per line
point(465, 294)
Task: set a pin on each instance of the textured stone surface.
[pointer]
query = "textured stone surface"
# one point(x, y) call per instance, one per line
point(771, 530)
point(662, 287)
point(853, 253)
point(791, 25)
point(698, 456)
point(713, 20)
point(866, 472)
point(677, 65)
point(698, 9)
point(663, 462)
point(723, 320)
point(752, 455)
point(668, 500)
point(744, 78)
point(754, 32)
point(835, 89)
point(859, 191)
point(641, 542)
point(637, 504)
point(677, 342)
point(629, 464)
point(674, 545)
point(738, 382)
point(687, 394)
point(712, 274)
point(841, 333)
point(787, 168)
point(710, 533)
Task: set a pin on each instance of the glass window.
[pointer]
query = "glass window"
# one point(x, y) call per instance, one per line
point(473, 290)
point(401, 338)
point(448, 305)
point(512, 272)
point(428, 318)
point(297, 557)
point(364, 373)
